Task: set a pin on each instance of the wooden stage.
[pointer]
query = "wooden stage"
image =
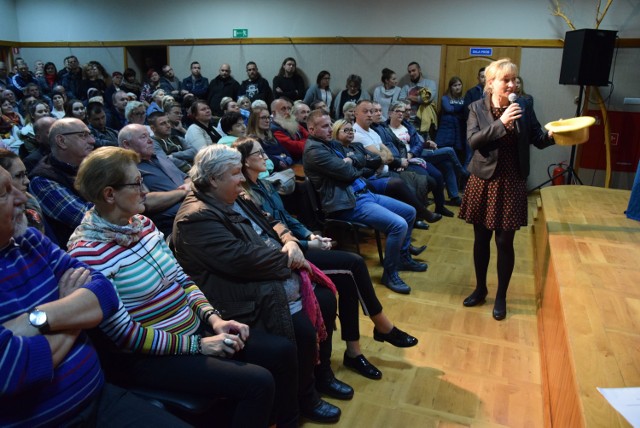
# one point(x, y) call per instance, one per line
point(587, 276)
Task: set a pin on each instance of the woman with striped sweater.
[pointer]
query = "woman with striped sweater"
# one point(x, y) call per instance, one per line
point(169, 335)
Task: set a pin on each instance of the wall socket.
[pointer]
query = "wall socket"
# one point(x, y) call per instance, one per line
point(632, 101)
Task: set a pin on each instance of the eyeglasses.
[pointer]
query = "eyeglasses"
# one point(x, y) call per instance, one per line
point(260, 152)
point(83, 134)
point(138, 184)
point(347, 130)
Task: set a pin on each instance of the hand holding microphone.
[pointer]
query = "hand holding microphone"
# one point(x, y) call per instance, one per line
point(517, 114)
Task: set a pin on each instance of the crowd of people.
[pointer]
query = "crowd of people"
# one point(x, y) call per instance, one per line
point(147, 214)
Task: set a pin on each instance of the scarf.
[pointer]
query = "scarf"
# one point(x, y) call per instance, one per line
point(310, 303)
point(95, 228)
point(210, 130)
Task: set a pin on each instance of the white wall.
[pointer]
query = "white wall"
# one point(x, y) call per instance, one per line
point(8, 23)
point(146, 19)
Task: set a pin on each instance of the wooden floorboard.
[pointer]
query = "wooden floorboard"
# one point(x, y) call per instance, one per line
point(468, 369)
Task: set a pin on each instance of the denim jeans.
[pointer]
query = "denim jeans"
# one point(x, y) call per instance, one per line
point(446, 160)
point(387, 215)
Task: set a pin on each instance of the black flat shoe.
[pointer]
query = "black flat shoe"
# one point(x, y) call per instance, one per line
point(500, 310)
point(334, 388)
point(478, 297)
point(419, 224)
point(416, 251)
point(432, 217)
point(444, 211)
point(361, 365)
point(322, 412)
point(455, 202)
point(396, 337)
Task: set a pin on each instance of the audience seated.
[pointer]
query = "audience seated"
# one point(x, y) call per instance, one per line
point(201, 132)
point(223, 85)
point(41, 134)
point(49, 298)
point(90, 79)
point(117, 113)
point(348, 271)
point(75, 109)
point(28, 143)
point(260, 129)
point(57, 101)
point(290, 134)
point(344, 195)
point(187, 346)
point(174, 146)
point(97, 118)
point(232, 124)
point(288, 83)
point(167, 185)
point(52, 179)
point(156, 101)
point(301, 112)
point(349, 112)
point(115, 86)
point(255, 269)
point(150, 87)
point(175, 115)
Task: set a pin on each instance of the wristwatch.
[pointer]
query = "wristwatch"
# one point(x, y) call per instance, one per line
point(38, 319)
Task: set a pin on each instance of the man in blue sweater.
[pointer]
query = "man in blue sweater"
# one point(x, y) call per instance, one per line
point(49, 371)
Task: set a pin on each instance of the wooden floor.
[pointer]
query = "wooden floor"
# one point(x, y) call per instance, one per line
point(468, 369)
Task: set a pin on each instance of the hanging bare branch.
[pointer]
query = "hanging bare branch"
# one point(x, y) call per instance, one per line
point(558, 12)
point(600, 16)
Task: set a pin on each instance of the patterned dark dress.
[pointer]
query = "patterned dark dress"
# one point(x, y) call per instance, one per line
point(500, 202)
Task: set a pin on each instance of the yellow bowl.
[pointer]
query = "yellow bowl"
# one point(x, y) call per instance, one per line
point(569, 132)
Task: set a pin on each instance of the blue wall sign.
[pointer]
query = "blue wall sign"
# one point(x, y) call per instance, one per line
point(481, 51)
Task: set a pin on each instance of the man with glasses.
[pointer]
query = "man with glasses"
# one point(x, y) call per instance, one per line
point(52, 179)
point(171, 84)
point(166, 184)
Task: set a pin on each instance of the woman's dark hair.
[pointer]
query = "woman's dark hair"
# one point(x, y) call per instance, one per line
point(321, 76)
point(287, 59)
point(68, 107)
point(452, 81)
point(229, 119)
point(48, 64)
point(386, 74)
point(244, 146)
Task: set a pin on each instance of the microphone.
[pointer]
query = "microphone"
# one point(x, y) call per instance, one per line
point(512, 99)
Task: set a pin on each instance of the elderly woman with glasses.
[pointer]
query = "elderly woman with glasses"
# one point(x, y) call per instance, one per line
point(254, 270)
point(347, 270)
point(187, 346)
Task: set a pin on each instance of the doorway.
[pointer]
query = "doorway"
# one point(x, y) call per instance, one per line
point(465, 61)
point(143, 58)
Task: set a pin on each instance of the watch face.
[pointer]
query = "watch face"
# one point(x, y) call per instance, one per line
point(37, 318)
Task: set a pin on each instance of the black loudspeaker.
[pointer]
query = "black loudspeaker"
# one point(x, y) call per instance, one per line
point(586, 58)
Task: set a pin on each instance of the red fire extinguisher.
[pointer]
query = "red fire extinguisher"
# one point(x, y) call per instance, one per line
point(559, 174)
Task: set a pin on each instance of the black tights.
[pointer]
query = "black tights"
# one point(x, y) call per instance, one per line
point(397, 189)
point(482, 252)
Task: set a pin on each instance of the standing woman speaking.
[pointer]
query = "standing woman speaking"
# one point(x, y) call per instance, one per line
point(499, 132)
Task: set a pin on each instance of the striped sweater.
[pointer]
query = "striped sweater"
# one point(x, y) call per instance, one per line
point(154, 317)
point(32, 391)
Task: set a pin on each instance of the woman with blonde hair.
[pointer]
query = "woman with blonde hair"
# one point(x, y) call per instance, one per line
point(495, 200)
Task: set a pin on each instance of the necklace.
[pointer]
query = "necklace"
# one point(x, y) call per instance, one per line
point(155, 265)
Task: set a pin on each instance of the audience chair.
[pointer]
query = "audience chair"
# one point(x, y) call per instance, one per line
point(353, 228)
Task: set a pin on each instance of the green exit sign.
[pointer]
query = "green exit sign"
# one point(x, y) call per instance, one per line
point(240, 33)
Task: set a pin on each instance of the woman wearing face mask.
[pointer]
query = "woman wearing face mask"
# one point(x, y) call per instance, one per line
point(495, 200)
